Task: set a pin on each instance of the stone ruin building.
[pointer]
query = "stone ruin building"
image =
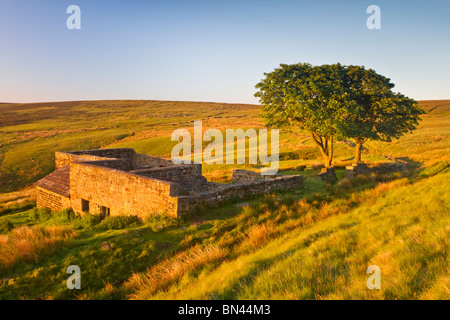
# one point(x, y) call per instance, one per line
point(121, 181)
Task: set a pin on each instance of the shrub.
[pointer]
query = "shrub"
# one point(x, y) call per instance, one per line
point(41, 214)
point(120, 222)
point(87, 221)
point(67, 215)
point(6, 226)
point(161, 219)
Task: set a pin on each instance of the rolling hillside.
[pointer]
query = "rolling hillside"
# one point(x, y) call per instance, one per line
point(31, 133)
point(313, 242)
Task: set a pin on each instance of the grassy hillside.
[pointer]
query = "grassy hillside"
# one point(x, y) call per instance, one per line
point(310, 243)
point(409, 239)
point(313, 242)
point(31, 133)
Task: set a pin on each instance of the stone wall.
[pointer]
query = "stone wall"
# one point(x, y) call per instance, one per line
point(119, 164)
point(327, 174)
point(189, 177)
point(121, 192)
point(225, 192)
point(138, 161)
point(388, 167)
point(50, 200)
point(145, 161)
point(380, 168)
point(117, 153)
point(240, 176)
point(356, 169)
point(64, 158)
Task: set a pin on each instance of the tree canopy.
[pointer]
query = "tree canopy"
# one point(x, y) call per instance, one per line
point(334, 102)
point(374, 111)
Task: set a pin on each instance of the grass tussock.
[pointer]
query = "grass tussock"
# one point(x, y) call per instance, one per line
point(258, 236)
point(169, 272)
point(28, 244)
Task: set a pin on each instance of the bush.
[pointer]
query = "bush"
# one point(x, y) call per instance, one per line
point(6, 226)
point(41, 214)
point(67, 216)
point(120, 222)
point(87, 221)
point(161, 219)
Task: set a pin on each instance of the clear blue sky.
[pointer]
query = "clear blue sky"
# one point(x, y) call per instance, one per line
point(212, 50)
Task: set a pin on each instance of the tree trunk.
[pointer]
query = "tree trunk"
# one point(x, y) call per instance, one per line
point(325, 145)
point(327, 161)
point(330, 153)
point(358, 148)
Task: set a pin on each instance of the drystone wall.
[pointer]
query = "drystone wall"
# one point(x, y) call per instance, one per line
point(240, 176)
point(189, 177)
point(225, 192)
point(356, 169)
point(145, 161)
point(64, 158)
point(327, 174)
point(381, 168)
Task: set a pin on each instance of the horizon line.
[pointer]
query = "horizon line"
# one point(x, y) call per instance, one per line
point(163, 100)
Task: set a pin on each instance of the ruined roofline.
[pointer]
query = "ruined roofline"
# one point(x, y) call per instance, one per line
point(89, 151)
point(137, 160)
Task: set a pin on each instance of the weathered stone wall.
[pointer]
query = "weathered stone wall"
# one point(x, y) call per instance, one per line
point(245, 176)
point(327, 174)
point(121, 192)
point(387, 167)
point(64, 158)
point(356, 169)
point(380, 168)
point(189, 177)
point(240, 176)
point(226, 192)
point(119, 164)
point(145, 161)
point(53, 201)
point(117, 153)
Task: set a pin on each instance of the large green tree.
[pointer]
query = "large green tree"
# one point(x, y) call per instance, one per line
point(311, 97)
point(374, 111)
point(334, 102)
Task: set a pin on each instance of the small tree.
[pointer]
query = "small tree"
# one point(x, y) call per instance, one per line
point(311, 97)
point(375, 112)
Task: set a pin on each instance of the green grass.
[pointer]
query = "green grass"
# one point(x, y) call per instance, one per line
point(31, 133)
point(404, 231)
point(313, 242)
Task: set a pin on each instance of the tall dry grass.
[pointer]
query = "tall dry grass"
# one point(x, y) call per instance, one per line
point(28, 244)
point(170, 271)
